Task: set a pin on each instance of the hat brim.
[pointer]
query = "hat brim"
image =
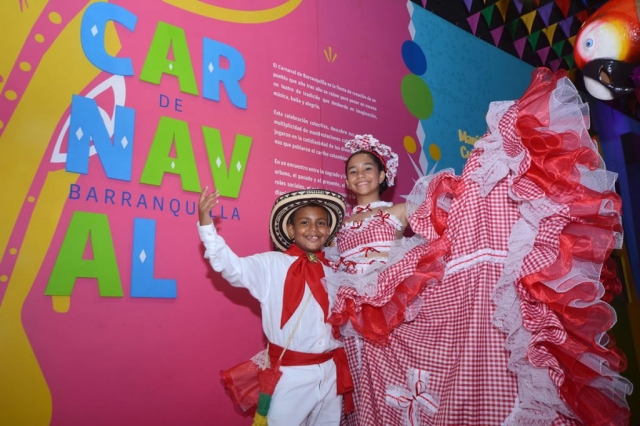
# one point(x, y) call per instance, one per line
point(287, 203)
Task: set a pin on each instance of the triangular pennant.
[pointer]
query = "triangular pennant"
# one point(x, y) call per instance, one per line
point(502, 7)
point(543, 54)
point(468, 4)
point(518, 5)
point(519, 45)
point(487, 12)
point(557, 47)
point(473, 22)
point(538, 3)
point(572, 74)
point(424, 3)
point(572, 40)
point(528, 19)
point(497, 34)
point(564, 6)
point(565, 24)
point(545, 12)
point(570, 61)
point(554, 64)
point(582, 15)
point(513, 27)
point(533, 39)
point(549, 31)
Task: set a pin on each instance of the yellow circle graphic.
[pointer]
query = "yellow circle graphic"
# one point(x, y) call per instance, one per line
point(410, 144)
point(13, 251)
point(3, 278)
point(434, 152)
point(55, 17)
point(39, 38)
point(236, 16)
point(25, 66)
point(11, 95)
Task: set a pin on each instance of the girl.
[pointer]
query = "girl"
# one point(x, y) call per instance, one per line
point(502, 317)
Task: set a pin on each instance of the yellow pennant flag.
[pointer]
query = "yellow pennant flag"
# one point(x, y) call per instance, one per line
point(528, 19)
point(550, 31)
point(572, 40)
point(502, 6)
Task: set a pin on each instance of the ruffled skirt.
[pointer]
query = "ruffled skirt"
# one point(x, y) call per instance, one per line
point(512, 282)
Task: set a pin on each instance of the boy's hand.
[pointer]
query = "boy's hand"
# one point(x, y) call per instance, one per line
point(207, 202)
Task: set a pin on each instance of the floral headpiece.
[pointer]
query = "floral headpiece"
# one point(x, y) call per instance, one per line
point(383, 152)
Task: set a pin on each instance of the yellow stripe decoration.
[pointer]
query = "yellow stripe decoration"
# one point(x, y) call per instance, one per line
point(550, 31)
point(237, 16)
point(572, 40)
point(19, 165)
point(16, 25)
point(25, 398)
point(528, 20)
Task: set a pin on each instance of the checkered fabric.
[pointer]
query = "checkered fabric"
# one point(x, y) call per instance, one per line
point(452, 337)
point(479, 350)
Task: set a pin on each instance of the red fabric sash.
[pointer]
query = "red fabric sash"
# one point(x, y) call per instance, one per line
point(306, 268)
point(344, 381)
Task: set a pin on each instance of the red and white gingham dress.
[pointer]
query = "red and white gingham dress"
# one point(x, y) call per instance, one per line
point(512, 303)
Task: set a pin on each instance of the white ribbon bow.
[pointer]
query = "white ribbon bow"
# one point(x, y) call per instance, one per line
point(414, 397)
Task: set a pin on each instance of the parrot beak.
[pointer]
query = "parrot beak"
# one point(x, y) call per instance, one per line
point(607, 79)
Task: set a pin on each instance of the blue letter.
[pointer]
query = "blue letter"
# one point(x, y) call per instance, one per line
point(213, 75)
point(142, 262)
point(92, 30)
point(86, 124)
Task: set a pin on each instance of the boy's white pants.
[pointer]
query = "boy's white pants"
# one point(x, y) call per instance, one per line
point(306, 395)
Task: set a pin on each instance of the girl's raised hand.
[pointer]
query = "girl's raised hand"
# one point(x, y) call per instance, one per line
point(206, 203)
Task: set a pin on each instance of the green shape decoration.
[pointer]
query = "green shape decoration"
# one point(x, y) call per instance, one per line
point(86, 228)
point(570, 60)
point(416, 96)
point(157, 63)
point(512, 27)
point(227, 180)
point(557, 47)
point(488, 13)
point(171, 131)
point(533, 39)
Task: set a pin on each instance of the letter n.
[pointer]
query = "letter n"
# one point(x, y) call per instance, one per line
point(87, 125)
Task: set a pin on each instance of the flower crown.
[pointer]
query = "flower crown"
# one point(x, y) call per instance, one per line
point(383, 152)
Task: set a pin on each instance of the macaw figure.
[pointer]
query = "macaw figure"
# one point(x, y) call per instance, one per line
point(607, 50)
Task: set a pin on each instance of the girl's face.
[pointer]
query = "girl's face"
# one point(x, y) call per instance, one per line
point(363, 175)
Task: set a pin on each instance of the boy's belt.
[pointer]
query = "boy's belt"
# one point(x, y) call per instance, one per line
point(344, 381)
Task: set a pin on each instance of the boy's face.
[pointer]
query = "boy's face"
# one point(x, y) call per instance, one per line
point(310, 229)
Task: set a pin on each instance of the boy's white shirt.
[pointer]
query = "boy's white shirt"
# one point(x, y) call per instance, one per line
point(263, 274)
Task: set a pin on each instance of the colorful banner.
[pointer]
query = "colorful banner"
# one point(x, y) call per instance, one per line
point(115, 115)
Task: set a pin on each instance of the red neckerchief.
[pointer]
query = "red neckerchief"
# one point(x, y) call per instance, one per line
point(307, 268)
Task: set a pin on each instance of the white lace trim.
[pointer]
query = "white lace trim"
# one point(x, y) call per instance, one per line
point(472, 259)
point(371, 206)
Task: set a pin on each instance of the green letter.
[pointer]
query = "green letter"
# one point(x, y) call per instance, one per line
point(70, 265)
point(169, 37)
point(159, 162)
point(227, 180)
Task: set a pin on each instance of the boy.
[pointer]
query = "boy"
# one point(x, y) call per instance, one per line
point(294, 302)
